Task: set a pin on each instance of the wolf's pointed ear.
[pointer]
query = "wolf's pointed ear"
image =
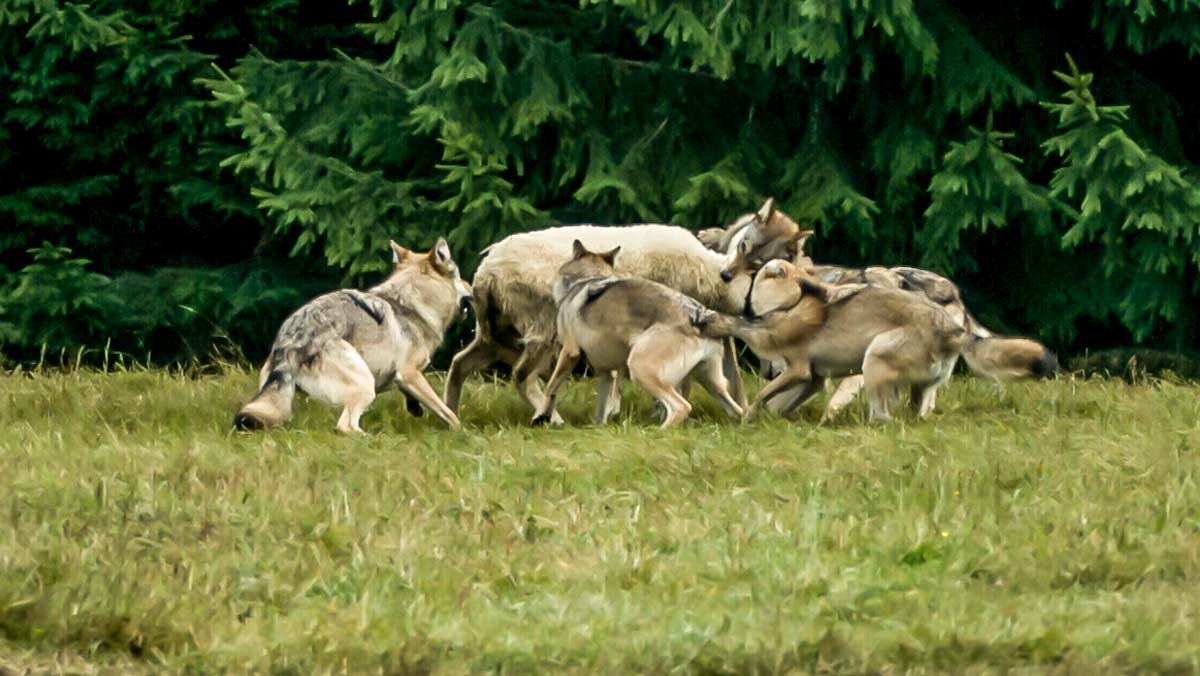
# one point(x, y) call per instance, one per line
point(440, 256)
point(578, 250)
point(811, 287)
point(441, 250)
point(611, 256)
point(399, 253)
point(801, 259)
point(765, 211)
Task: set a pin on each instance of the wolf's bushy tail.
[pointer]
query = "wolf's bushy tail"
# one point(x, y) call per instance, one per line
point(1005, 358)
point(272, 405)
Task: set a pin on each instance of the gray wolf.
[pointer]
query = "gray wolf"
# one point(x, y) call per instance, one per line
point(635, 324)
point(345, 346)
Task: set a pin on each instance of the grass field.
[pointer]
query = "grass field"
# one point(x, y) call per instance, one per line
point(1046, 526)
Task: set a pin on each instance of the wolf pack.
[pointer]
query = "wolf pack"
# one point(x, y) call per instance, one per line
point(660, 305)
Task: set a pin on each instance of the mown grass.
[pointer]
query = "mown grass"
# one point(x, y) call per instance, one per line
point(1047, 526)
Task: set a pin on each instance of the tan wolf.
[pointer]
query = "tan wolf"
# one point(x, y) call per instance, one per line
point(893, 338)
point(988, 355)
point(345, 346)
point(636, 324)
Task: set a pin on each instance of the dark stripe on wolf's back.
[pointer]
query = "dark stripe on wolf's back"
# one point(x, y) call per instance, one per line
point(596, 289)
point(362, 304)
point(643, 314)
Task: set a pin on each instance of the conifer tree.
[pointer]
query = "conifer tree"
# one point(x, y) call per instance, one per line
point(1138, 219)
point(109, 155)
point(879, 123)
point(906, 132)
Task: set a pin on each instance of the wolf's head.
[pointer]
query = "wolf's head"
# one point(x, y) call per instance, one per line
point(583, 264)
point(765, 235)
point(779, 285)
point(432, 279)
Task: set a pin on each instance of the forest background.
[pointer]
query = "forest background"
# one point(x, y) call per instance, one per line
point(176, 177)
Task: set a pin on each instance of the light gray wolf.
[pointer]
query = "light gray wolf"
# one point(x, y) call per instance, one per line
point(636, 324)
point(893, 338)
point(345, 346)
point(515, 310)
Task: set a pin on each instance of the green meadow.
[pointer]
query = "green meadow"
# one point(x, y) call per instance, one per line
point(1050, 526)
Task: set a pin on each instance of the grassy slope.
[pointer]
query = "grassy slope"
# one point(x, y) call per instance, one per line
point(1053, 524)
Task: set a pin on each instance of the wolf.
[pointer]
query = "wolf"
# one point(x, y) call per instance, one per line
point(345, 346)
point(514, 305)
point(893, 338)
point(988, 355)
point(636, 324)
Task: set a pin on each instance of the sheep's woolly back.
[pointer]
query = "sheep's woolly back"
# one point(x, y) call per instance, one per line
point(517, 274)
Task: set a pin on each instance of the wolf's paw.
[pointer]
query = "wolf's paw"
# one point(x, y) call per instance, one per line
point(413, 407)
point(551, 418)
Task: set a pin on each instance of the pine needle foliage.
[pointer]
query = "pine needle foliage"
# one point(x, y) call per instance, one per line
point(203, 134)
point(906, 132)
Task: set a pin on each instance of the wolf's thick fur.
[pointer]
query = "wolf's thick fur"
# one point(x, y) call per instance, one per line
point(893, 338)
point(344, 346)
point(515, 310)
point(998, 358)
point(633, 323)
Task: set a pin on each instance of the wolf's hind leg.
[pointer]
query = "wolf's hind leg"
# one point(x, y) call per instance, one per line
point(568, 357)
point(711, 375)
point(922, 399)
point(608, 395)
point(733, 373)
point(660, 360)
point(842, 396)
point(339, 375)
point(785, 403)
point(676, 406)
point(880, 378)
